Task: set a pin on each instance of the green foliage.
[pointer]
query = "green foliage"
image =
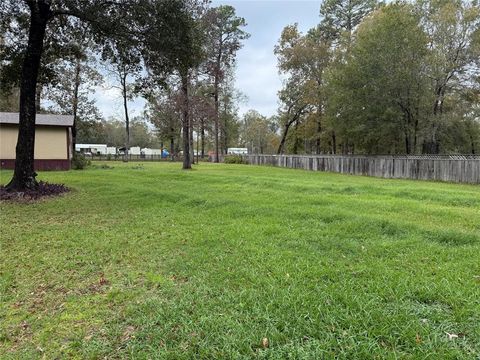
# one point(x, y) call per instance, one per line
point(398, 77)
point(80, 162)
point(234, 159)
point(341, 17)
point(9, 100)
point(259, 133)
point(378, 95)
point(160, 263)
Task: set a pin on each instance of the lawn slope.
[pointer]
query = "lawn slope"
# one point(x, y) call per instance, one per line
point(149, 261)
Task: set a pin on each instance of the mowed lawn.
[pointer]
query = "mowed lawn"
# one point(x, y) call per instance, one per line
point(149, 261)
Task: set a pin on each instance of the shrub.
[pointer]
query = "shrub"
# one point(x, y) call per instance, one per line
point(235, 159)
point(80, 162)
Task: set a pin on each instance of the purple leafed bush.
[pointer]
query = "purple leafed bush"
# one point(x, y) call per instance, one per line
point(44, 189)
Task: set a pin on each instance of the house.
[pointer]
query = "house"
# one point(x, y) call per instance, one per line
point(91, 149)
point(148, 151)
point(53, 139)
point(237, 151)
point(134, 150)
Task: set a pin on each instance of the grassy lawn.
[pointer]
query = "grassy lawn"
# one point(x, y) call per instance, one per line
point(148, 261)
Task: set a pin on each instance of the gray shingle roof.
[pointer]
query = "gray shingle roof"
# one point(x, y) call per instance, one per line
point(41, 119)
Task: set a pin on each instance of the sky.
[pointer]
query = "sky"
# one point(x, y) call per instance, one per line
point(256, 72)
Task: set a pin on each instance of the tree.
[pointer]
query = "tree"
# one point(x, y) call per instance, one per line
point(100, 15)
point(202, 111)
point(228, 121)
point(453, 29)
point(258, 133)
point(378, 94)
point(106, 19)
point(304, 58)
point(341, 17)
point(164, 114)
point(181, 51)
point(290, 53)
point(225, 35)
point(339, 21)
point(125, 63)
point(69, 92)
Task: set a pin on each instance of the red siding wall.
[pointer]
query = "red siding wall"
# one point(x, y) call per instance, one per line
point(40, 165)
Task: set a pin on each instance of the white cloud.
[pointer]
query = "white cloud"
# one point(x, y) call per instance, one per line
point(258, 79)
point(110, 102)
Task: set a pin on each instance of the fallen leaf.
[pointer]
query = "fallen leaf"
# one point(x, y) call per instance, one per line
point(418, 339)
point(265, 343)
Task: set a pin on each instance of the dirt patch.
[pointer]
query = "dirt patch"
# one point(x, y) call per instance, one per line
point(44, 190)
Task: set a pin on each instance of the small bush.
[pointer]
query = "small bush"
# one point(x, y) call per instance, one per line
point(80, 162)
point(235, 159)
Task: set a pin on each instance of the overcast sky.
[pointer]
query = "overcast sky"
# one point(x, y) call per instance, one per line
point(257, 74)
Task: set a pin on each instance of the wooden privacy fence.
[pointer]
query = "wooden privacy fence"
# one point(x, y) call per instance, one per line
point(454, 168)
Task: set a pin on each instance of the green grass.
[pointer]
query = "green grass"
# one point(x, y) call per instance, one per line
point(153, 262)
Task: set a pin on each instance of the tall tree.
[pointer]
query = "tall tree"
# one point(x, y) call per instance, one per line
point(453, 29)
point(181, 51)
point(102, 16)
point(70, 91)
point(378, 94)
point(225, 36)
point(304, 59)
point(341, 17)
point(125, 65)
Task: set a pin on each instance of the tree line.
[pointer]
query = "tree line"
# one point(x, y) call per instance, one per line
point(375, 78)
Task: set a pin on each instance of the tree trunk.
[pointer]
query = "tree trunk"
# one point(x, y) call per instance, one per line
point(281, 147)
point(127, 119)
point(225, 137)
point(198, 131)
point(294, 118)
point(172, 146)
point(407, 144)
point(38, 97)
point(225, 128)
point(217, 147)
point(334, 143)
point(187, 164)
point(24, 173)
point(202, 133)
point(75, 102)
point(434, 147)
point(317, 142)
point(192, 148)
point(296, 140)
